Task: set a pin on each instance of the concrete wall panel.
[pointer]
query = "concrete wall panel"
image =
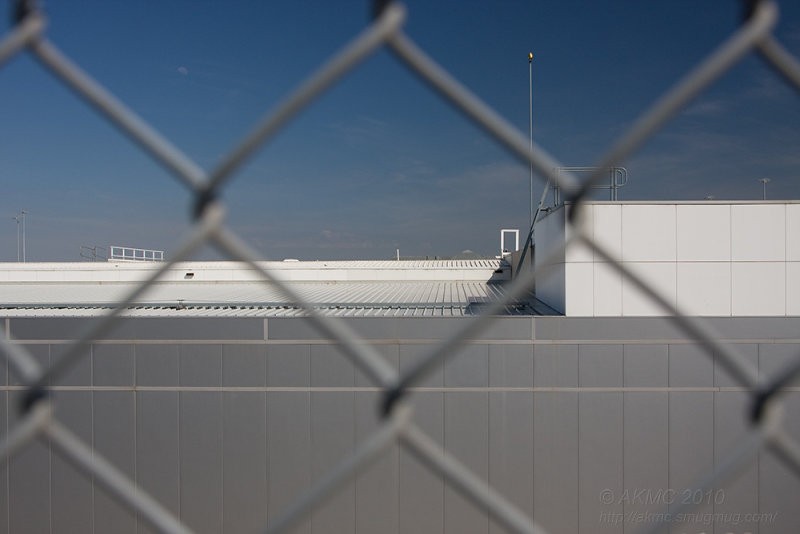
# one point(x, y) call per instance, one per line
point(704, 232)
point(556, 473)
point(80, 372)
point(793, 288)
point(289, 365)
point(3, 372)
point(52, 328)
point(377, 487)
point(29, 504)
point(331, 368)
point(778, 486)
point(390, 354)
point(332, 438)
point(421, 490)
point(288, 452)
point(737, 496)
point(411, 355)
point(510, 454)
point(774, 358)
point(514, 328)
point(646, 456)
point(704, 288)
point(646, 365)
point(41, 355)
point(607, 230)
point(691, 444)
point(607, 291)
point(551, 286)
point(113, 365)
point(793, 232)
point(702, 256)
point(200, 365)
point(747, 351)
point(600, 366)
point(555, 365)
point(511, 366)
point(579, 284)
point(758, 232)
point(228, 435)
point(244, 365)
point(244, 461)
point(201, 435)
point(634, 329)
point(579, 252)
point(114, 439)
point(661, 277)
point(156, 365)
point(158, 449)
point(469, 367)
point(206, 328)
point(600, 457)
point(72, 493)
point(690, 366)
point(759, 288)
point(649, 233)
point(3, 472)
point(466, 426)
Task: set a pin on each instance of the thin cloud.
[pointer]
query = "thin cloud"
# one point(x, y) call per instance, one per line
point(706, 109)
point(361, 131)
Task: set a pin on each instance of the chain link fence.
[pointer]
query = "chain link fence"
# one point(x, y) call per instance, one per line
point(37, 420)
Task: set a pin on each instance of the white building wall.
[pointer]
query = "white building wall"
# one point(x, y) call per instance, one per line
point(549, 260)
point(706, 258)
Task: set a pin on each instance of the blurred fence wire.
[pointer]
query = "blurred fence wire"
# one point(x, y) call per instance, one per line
point(37, 420)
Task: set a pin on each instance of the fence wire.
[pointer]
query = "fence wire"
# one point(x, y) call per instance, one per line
point(37, 420)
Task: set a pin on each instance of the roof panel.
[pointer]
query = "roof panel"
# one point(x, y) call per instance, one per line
point(195, 289)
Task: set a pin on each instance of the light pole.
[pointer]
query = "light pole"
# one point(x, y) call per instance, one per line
point(530, 129)
point(17, 218)
point(764, 182)
point(21, 218)
point(23, 212)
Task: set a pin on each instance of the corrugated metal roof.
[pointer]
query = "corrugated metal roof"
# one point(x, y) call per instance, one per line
point(265, 293)
point(228, 289)
point(255, 299)
point(268, 311)
point(478, 270)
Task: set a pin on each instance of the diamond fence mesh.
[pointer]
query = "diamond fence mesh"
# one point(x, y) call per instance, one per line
point(38, 422)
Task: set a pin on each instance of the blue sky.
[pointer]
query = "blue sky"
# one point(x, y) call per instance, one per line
point(380, 162)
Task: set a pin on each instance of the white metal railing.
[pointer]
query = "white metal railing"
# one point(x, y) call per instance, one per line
point(38, 421)
point(617, 178)
point(117, 253)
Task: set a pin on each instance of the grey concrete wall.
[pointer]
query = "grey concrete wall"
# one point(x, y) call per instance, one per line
point(588, 425)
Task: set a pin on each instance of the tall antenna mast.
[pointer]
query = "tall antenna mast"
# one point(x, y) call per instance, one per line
point(23, 213)
point(20, 218)
point(530, 130)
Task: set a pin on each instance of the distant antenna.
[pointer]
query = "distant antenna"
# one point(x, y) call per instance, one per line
point(764, 182)
point(117, 253)
point(21, 218)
